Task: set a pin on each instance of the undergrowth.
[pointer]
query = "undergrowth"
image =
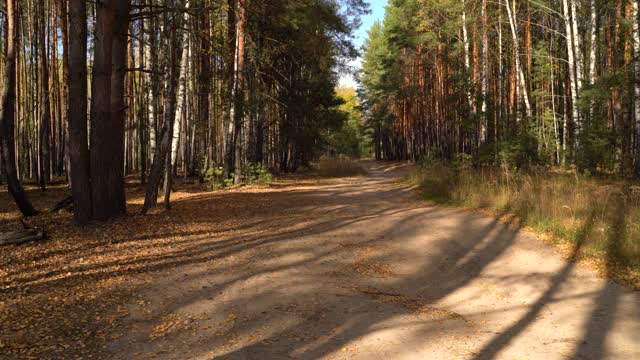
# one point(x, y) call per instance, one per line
point(601, 215)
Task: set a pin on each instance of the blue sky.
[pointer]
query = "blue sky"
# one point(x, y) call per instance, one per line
point(377, 13)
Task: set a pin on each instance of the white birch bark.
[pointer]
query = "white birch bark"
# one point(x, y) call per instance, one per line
point(485, 72)
point(577, 40)
point(467, 56)
point(519, 73)
point(150, 103)
point(572, 67)
point(592, 52)
point(180, 109)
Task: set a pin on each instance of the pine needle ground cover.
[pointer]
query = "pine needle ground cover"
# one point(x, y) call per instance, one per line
point(600, 215)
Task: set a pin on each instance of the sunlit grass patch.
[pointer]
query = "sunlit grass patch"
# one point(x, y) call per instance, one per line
point(558, 204)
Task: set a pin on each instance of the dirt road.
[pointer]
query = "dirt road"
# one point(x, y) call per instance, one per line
point(358, 268)
point(353, 268)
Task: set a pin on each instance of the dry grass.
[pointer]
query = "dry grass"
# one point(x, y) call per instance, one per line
point(339, 167)
point(601, 215)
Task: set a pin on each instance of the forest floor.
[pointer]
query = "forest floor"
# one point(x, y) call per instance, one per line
point(350, 268)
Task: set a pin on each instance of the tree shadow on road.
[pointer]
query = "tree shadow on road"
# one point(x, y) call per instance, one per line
point(273, 274)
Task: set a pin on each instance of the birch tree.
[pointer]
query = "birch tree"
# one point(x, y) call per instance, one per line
point(511, 14)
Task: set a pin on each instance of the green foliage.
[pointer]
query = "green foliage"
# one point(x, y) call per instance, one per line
point(418, 89)
point(352, 138)
point(304, 44)
point(596, 138)
point(214, 177)
point(257, 174)
point(520, 150)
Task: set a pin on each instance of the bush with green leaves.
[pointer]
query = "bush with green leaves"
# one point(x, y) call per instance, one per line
point(214, 177)
point(255, 173)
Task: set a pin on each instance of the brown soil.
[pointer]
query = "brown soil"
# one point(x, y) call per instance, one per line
point(304, 268)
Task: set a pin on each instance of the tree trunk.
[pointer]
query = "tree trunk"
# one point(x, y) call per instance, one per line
point(78, 147)
point(519, 73)
point(152, 87)
point(107, 120)
point(467, 57)
point(7, 145)
point(238, 94)
point(636, 84)
point(572, 68)
point(65, 81)
point(485, 73)
point(142, 115)
point(45, 110)
point(228, 147)
point(161, 158)
point(203, 94)
point(174, 125)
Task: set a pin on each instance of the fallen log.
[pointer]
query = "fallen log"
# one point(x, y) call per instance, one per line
point(21, 236)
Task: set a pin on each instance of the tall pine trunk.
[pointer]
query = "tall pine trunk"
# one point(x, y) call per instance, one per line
point(7, 121)
point(107, 120)
point(44, 143)
point(238, 92)
point(77, 115)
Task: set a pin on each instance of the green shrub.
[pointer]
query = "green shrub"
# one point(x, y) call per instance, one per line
point(213, 177)
point(257, 174)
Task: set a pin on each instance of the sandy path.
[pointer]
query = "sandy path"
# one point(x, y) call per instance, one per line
point(359, 269)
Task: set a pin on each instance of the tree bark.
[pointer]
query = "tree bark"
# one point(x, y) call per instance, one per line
point(575, 114)
point(77, 115)
point(636, 84)
point(519, 72)
point(485, 73)
point(229, 122)
point(64, 100)
point(204, 89)
point(238, 93)
point(467, 57)
point(161, 160)
point(7, 121)
point(107, 120)
point(142, 115)
point(45, 110)
point(174, 124)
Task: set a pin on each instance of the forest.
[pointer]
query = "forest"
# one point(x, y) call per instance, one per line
point(320, 179)
point(529, 108)
point(544, 82)
point(94, 92)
